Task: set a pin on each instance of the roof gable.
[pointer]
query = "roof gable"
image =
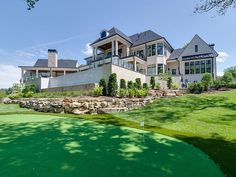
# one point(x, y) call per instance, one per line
point(203, 48)
point(144, 37)
point(112, 32)
point(61, 63)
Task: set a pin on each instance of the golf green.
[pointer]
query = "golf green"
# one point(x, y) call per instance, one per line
point(43, 146)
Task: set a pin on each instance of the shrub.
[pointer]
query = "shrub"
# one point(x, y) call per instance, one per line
point(152, 82)
point(122, 92)
point(227, 78)
point(2, 94)
point(169, 82)
point(122, 84)
point(217, 84)
point(140, 93)
point(102, 83)
point(15, 96)
point(131, 92)
point(158, 86)
point(130, 85)
point(175, 86)
point(28, 94)
point(138, 83)
point(207, 80)
point(98, 91)
point(196, 88)
point(29, 88)
point(145, 86)
point(232, 85)
point(112, 85)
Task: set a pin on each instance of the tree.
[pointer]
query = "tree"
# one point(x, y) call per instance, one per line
point(122, 84)
point(138, 83)
point(206, 80)
point(227, 78)
point(152, 82)
point(232, 70)
point(102, 83)
point(112, 85)
point(221, 6)
point(169, 82)
point(31, 3)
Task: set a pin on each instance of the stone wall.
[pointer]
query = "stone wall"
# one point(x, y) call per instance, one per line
point(91, 105)
point(82, 87)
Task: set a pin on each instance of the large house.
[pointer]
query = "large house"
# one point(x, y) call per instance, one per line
point(141, 55)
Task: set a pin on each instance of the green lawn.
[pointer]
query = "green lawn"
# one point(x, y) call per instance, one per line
point(207, 121)
point(46, 146)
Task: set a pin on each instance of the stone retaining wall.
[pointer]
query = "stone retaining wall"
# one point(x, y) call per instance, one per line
point(90, 105)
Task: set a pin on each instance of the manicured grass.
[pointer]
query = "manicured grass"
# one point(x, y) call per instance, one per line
point(207, 121)
point(44, 145)
point(5, 108)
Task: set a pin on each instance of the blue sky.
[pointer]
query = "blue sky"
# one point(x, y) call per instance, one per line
point(69, 26)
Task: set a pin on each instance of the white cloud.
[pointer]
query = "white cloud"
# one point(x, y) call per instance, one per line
point(223, 56)
point(9, 74)
point(21, 53)
point(88, 51)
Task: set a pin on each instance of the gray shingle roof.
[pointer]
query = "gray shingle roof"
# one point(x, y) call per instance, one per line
point(144, 37)
point(61, 63)
point(176, 53)
point(114, 31)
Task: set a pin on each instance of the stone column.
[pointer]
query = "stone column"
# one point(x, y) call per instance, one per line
point(112, 49)
point(135, 65)
point(22, 75)
point(95, 53)
point(127, 51)
point(64, 72)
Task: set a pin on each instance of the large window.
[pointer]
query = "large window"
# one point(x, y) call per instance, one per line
point(208, 66)
point(197, 67)
point(192, 67)
point(152, 50)
point(151, 70)
point(203, 67)
point(173, 71)
point(187, 68)
point(160, 68)
point(140, 53)
point(160, 49)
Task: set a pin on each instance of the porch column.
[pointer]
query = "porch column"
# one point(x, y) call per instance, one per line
point(93, 53)
point(64, 72)
point(112, 49)
point(50, 72)
point(116, 47)
point(135, 65)
point(127, 52)
point(37, 73)
point(22, 75)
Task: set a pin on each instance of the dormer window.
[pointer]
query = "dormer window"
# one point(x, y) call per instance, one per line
point(104, 34)
point(196, 48)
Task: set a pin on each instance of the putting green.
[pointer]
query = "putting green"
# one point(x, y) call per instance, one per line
point(43, 146)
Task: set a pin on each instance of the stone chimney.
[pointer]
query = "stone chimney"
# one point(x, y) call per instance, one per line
point(52, 58)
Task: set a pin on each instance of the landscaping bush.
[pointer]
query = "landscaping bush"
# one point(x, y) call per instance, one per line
point(122, 84)
point(207, 80)
point(98, 91)
point(102, 83)
point(175, 86)
point(112, 85)
point(28, 94)
point(196, 87)
point(122, 92)
point(131, 92)
point(232, 85)
point(152, 82)
point(217, 84)
point(145, 86)
point(130, 85)
point(169, 82)
point(15, 96)
point(158, 86)
point(2, 94)
point(140, 93)
point(138, 83)
point(227, 78)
